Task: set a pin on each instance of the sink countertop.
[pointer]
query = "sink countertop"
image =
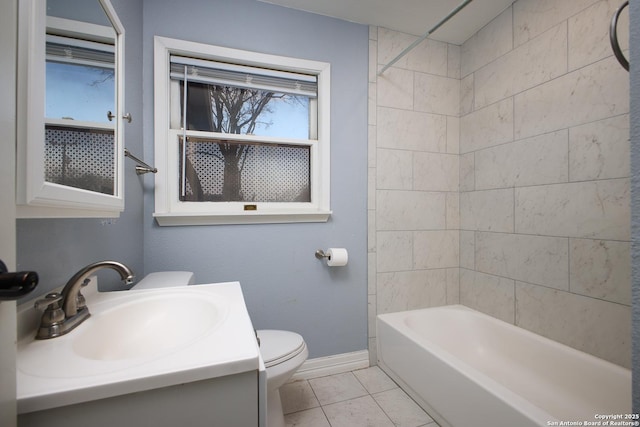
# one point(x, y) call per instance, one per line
point(50, 374)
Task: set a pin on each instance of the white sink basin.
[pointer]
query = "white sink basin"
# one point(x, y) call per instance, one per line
point(139, 340)
point(147, 327)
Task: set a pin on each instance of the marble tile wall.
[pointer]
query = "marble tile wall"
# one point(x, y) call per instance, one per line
point(414, 173)
point(499, 175)
point(544, 175)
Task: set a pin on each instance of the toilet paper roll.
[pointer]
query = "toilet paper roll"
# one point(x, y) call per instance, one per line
point(337, 257)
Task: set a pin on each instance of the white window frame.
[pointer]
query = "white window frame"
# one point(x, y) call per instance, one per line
point(169, 210)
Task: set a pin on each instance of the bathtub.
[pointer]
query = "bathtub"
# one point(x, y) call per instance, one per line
point(469, 369)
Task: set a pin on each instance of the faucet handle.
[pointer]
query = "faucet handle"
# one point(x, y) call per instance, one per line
point(53, 315)
point(49, 300)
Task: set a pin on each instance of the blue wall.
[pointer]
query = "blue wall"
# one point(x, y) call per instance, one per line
point(285, 286)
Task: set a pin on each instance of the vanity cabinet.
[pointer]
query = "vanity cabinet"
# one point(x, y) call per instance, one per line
point(229, 401)
point(70, 150)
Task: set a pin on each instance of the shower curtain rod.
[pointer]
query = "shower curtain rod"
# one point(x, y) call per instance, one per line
point(427, 34)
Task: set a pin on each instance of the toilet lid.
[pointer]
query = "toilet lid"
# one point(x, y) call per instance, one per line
point(279, 346)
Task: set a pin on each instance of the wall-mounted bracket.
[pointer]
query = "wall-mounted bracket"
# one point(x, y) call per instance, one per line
point(141, 167)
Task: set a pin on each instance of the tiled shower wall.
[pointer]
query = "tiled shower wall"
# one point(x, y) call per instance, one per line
point(414, 213)
point(539, 133)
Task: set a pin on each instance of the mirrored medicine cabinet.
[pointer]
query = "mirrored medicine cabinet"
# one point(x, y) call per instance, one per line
point(70, 116)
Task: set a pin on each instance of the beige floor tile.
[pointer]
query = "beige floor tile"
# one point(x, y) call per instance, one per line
point(297, 396)
point(336, 388)
point(359, 412)
point(402, 410)
point(310, 418)
point(374, 380)
point(361, 398)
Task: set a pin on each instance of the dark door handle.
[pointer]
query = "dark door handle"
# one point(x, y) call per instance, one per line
point(14, 285)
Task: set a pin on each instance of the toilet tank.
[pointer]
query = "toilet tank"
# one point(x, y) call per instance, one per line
point(165, 279)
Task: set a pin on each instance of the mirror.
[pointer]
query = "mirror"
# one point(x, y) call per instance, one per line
point(71, 152)
point(79, 94)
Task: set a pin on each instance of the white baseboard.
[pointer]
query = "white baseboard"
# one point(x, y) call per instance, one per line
point(331, 365)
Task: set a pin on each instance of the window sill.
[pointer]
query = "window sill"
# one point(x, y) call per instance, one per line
point(181, 219)
point(28, 212)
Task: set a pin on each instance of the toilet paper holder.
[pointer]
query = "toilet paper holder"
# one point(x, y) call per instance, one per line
point(336, 257)
point(320, 254)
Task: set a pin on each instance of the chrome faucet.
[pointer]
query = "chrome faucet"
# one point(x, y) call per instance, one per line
point(66, 310)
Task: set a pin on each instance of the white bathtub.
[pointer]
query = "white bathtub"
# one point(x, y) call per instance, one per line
point(469, 369)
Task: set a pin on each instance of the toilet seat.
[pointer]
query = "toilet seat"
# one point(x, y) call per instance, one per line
point(279, 346)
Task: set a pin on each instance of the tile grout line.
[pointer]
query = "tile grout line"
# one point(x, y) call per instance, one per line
point(320, 404)
point(432, 423)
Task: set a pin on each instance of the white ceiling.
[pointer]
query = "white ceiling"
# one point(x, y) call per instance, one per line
point(408, 16)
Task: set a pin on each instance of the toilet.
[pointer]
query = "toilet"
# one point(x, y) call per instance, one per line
point(283, 352)
point(165, 279)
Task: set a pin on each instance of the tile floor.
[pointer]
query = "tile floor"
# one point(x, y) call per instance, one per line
point(362, 398)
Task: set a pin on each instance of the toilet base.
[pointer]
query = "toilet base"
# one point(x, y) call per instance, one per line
point(283, 353)
point(275, 417)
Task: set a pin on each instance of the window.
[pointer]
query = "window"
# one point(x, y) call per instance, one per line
point(241, 137)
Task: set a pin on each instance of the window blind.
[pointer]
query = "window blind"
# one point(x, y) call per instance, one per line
point(82, 52)
point(243, 76)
